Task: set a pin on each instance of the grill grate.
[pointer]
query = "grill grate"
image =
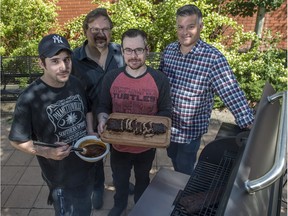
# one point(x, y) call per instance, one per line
point(205, 188)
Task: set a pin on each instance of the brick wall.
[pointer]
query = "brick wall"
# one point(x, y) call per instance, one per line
point(73, 8)
point(276, 21)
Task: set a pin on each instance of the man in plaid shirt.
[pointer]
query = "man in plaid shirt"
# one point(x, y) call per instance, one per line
point(197, 71)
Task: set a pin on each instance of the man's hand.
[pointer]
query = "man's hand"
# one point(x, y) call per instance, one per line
point(102, 119)
point(58, 153)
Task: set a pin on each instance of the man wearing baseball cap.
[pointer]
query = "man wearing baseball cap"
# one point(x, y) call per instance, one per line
point(54, 109)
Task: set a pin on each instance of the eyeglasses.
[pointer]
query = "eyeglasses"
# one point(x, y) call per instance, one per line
point(138, 51)
point(98, 30)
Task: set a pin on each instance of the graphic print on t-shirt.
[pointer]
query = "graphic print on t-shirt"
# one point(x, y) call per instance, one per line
point(68, 119)
point(138, 96)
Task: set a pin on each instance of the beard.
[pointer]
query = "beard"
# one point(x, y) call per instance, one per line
point(135, 64)
point(100, 40)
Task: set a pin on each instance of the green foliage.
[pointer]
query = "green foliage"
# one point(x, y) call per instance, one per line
point(23, 23)
point(254, 67)
point(73, 31)
point(158, 20)
point(248, 8)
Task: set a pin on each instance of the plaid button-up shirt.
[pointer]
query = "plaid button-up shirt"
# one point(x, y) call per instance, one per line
point(195, 78)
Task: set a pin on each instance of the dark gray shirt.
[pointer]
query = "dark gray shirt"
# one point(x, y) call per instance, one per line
point(90, 73)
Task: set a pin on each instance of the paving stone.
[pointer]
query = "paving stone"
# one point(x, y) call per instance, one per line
point(41, 199)
point(32, 176)
point(108, 174)
point(108, 199)
point(19, 158)
point(34, 162)
point(6, 191)
point(5, 144)
point(5, 155)
point(42, 212)
point(15, 212)
point(10, 175)
point(23, 197)
point(161, 158)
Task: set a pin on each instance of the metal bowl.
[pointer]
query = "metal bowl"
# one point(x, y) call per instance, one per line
point(91, 140)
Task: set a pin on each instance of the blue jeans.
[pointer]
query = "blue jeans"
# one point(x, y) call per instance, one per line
point(184, 156)
point(121, 165)
point(73, 201)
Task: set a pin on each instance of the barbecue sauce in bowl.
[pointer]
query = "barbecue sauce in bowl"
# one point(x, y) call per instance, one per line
point(93, 148)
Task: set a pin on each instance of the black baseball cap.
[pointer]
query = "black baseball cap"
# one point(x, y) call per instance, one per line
point(51, 44)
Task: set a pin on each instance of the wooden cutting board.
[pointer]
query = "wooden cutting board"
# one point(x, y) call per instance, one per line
point(127, 138)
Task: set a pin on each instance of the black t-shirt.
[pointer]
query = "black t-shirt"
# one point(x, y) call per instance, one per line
point(52, 114)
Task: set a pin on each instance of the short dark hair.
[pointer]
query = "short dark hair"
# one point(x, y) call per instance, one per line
point(94, 14)
point(132, 33)
point(42, 59)
point(188, 10)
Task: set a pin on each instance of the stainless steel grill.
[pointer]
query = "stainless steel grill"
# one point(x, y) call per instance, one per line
point(207, 183)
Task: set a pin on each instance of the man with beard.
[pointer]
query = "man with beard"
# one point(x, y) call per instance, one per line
point(136, 81)
point(91, 61)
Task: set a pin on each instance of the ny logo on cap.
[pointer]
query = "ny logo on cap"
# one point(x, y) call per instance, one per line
point(57, 39)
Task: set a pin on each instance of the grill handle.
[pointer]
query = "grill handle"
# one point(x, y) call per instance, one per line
point(279, 164)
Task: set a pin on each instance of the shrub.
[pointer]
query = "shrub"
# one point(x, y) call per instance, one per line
point(23, 23)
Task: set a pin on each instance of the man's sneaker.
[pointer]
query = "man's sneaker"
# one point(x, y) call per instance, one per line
point(116, 211)
point(97, 199)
